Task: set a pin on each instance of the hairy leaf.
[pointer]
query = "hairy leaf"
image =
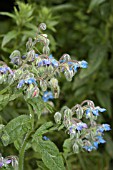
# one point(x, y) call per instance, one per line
point(8, 37)
point(50, 155)
point(17, 127)
point(42, 129)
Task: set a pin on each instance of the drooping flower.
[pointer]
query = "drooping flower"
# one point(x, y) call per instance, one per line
point(81, 126)
point(47, 95)
point(106, 127)
point(30, 81)
point(83, 64)
point(21, 83)
point(89, 148)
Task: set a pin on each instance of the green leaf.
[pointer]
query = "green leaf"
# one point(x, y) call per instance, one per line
point(50, 155)
point(42, 129)
point(67, 145)
point(94, 3)
point(106, 84)
point(17, 127)
point(39, 105)
point(9, 36)
point(4, 99)
point(97, 55)
point(105, 101)
point(41, 166)
point(14, 96)
point(8, 14)
point(31, 26)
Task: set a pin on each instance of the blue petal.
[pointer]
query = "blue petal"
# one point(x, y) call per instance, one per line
point(54, 63)
point(102, 109)
point(106, 127)
point(45, 138)
point(36, 55)
point(95, 112)
point(51, 57)
point(95, 144)
point(83, 64)
point(20, 84)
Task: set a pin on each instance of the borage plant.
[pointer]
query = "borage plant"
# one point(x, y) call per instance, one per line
point(35, 78)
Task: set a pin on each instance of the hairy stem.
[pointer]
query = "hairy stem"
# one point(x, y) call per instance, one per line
point(23, 147)
point(22, 152)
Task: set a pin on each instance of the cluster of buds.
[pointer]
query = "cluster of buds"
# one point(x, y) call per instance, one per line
point(83, 135)
point(35, 74)
point(5, 162)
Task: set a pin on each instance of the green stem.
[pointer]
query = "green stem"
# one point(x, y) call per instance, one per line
point(22, 152)
point(23, 147)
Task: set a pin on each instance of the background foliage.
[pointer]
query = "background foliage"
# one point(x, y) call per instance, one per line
point(84, 29)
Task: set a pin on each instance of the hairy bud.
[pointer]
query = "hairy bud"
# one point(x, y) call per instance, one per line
point(57, 117)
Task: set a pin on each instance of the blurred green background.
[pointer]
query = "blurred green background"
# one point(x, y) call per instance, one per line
point(83, 29)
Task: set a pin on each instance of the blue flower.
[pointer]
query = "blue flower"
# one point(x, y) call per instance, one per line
point(20, 84)
point(62, 61)
point(100, 129)
point(54, 63)
point(89, 148)
point(81, 126)
point(72, 130)
point(100, 109)
point(36, 55)
point(45, 138)
point(46, 62)
point(30, 81)
point(4, 162)
point(95, 112)
point(47, 95)
point(75, 67)
point(83, 64)
point(106, 127)
point(40, 63)
point(88, 111)
point(95, 144)
point(100, 139)
point(3, 70)
point(1, 164)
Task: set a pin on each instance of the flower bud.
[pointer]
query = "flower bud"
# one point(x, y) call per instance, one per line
point(31, 55)
point(15, 53)
point(35, 92)
point(75, 148)
point(66, 57)
point(46, 50)
point(79, 113)
point(47, 42)
point(43, 85)
point(68, 74)
point(44, 35)
point(50, 69)
point(29, 44)
point(54, 82)
point(68, 113)
point(14, 162)
point(57, 117)
point(42, 26)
